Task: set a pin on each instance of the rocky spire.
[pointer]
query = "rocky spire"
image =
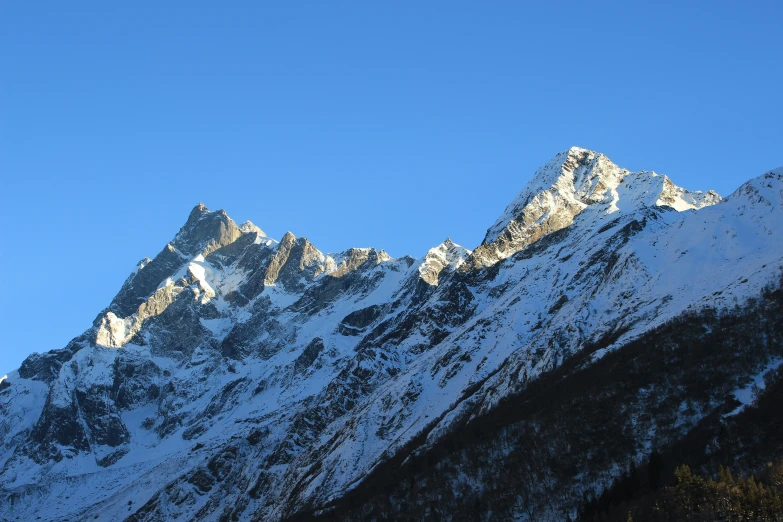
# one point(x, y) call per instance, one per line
point(203, 233)
point(293, 260)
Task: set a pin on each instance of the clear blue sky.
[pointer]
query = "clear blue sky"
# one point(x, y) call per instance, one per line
point(386, 124)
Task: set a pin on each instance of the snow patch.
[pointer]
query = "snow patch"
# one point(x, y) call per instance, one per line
point(747, 394)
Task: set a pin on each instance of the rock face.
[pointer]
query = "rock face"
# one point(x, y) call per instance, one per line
point(447, 254)
point(567, 185)
point(235, 377)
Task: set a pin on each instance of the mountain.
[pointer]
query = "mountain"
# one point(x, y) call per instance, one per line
point(235, 377)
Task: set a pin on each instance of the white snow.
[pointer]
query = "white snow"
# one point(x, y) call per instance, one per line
point(700, 252)
point(575, 180)
point(746, 395)
point(447, 254)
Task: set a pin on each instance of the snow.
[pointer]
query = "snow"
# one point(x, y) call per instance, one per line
point(447, 254)
point(203, 272)
point(248, 227)
point(219, 327)
point(662, 278)
point(692, 250)
point(575, 180)
point(21, 407)
point(559, 178)
point(746, 395)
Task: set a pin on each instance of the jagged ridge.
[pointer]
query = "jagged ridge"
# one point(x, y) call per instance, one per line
point(234, 375)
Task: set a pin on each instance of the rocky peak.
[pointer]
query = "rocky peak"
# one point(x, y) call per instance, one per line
point(197, 213)
point(648, 189)
point(572, 181)
point(337, 265)
point(766, 190)
point(205, 231)
point(249, 227)
point(681, 199)
point(447, 254)
point(294, 259)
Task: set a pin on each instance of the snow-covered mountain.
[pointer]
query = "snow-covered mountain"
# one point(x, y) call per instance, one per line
point(237, 377)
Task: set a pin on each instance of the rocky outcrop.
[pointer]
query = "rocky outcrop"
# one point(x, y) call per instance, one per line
point(338, 265)
point(294, 263)
point(205, 231)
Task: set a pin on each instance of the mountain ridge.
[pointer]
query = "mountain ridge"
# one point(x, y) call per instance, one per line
point(332, 363)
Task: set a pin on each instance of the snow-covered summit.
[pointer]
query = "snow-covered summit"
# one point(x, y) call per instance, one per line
point(248, 227)
point(768, 180)
point(647, 189)
point(447, 254)
point(573, 180)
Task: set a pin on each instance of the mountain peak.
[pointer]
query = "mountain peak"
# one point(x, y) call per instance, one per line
point(197, 213)
point(248, 227)
point(205, 232)
point(766, 190)
point(447, 254)
point(291, 258)
point(288, 238)
point(579, 152)
point(570, 182)
point(573, 178)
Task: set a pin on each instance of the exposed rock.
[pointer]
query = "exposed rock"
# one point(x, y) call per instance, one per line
point(447, 254)
point(236, 378)
point(564, 187)
point(355, 322)
point(294, 263)
point(309, 355)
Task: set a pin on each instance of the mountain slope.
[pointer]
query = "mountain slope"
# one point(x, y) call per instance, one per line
point(237, 376)
point(567, 436)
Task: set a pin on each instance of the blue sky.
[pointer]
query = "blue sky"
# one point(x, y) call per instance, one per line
point(386, 124)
